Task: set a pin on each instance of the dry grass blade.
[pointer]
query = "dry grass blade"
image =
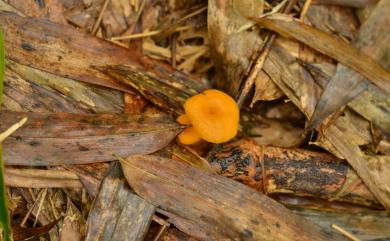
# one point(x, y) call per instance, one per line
point(345, 233)
point(210, 201)
point(37, 178)
point(329, 45)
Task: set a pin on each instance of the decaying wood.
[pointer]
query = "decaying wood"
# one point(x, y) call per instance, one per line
point(117, 213)
point(373, 41)
point(295, 171)
point(329, 45)
point(211, 201)
point(61, 138)
point(37, 178)
point(70, 53)
point(365, 225)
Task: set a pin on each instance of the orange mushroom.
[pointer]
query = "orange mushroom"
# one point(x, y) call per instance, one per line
point(214, 116)
point(183, 119)
point(189, 136)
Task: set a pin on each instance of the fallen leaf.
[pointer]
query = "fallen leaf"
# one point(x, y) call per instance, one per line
point(63, 138)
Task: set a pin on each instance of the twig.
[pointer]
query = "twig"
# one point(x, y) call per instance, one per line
point(12, 129)
point(40, 206)
point(147, 34)
point(345, 233)
point(31, 209)
point(100, 17)
point(173, 49)
point(305, 8)
point(164, 225)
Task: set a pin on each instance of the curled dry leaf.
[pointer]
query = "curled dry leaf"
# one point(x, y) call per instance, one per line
point(20, 233)
point(61, 138)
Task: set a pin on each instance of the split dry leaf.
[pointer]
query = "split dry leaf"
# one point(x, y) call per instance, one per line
point(117, 213)
point(210, 201)
point(21, 95)
point(70, 53)
point(98, 99)
point(346, 84)
point(62, 138)
point(328, 45)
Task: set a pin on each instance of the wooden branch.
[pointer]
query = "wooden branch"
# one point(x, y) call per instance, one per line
point(294, 171)
point(117, 213)
point(61, 138)
point(224, 208)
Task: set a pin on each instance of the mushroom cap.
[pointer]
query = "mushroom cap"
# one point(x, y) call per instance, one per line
point(214, 115)
point(189, 136)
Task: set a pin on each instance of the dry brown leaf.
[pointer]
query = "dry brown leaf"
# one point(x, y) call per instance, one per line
point(265, 89)
point(61, 138)
point(329, 45)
